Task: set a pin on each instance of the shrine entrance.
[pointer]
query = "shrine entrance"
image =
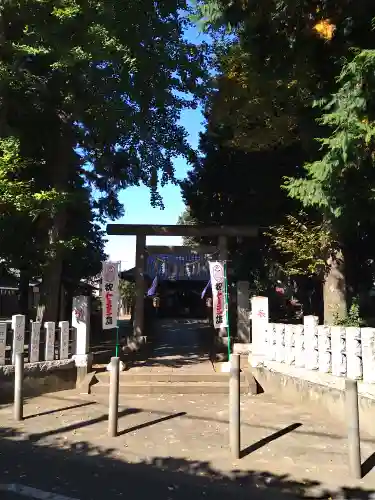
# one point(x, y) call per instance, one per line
point(179, 274)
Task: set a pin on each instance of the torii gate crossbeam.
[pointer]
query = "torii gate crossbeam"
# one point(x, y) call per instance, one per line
point(143, 230)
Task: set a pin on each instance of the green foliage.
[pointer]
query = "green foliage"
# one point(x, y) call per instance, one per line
point(17, 194)
point(305, 244)
point(84, 240)
point(291, 52)
point(261, 112)
point(288, 35)
point(353, 317)
point(92, 94)
point(22, 205)
point(187, 219)
point(127, 291)
point(126, 71)
point(348, 150)
point(286, 55)
point(230, 186)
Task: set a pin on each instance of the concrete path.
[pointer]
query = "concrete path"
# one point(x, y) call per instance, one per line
point(179, 344)
point(175, 448)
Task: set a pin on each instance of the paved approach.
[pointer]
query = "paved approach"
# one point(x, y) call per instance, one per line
point(178, 345)
point(175, 448)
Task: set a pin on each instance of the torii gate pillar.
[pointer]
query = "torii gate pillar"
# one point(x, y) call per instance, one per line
point(141, 230)
point(223, 255)
point(138, 324)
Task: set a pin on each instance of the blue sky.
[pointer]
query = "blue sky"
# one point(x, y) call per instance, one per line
point(136, 200)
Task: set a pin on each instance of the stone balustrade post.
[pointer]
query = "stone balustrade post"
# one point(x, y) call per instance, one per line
point(81, 326)
point(324, 349)
point(368, 354)
point(310, 324)
point(18, 327)
point(338, 343)
point(259, 330)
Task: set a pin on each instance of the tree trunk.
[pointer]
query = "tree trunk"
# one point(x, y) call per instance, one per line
point(4, 128)
point(60, 173)
point(334, 289)
point(303, 292)
point(52, 275)
point(23, 297)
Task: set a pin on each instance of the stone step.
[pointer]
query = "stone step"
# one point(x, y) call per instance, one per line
point(172, 383)
point(168, 388)
point(134, 377)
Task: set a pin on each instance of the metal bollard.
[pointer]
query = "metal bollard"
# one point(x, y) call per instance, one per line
point(18, 386)
point(352, 415)
point(113, 397)
point(234, 406)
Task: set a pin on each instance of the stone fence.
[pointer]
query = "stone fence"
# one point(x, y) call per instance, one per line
point(38, 342)
point(340, 351)
point(57, 356)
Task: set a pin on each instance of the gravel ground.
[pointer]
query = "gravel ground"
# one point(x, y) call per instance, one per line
point(169, 443)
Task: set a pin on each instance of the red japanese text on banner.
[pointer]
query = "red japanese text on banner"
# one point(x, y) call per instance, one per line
point(110, 294)
point(219, 296)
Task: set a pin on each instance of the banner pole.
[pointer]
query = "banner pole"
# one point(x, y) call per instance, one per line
point(118, 308)
point(110, 298)
point(227, 306)
point(117, 341)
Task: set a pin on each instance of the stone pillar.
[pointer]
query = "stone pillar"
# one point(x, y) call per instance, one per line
point(3, 342)
point(324, 349)
point(138, 325)
point(81, 324)
point(368, 354)
point(289, 345)
point(259, 329)
point(280, 342)
point(354, 353)
point(243, 312)
point(338, 346)
point(34, 342)
point(299, 345)
point(18, 327)
point(310, 324)
point(49, 346)
point(223, 256)
point(64, 339)
point(270, 343)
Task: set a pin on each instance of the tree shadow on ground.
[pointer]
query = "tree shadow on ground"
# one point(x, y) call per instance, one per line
point(86, 472)
point(176, 344)
point(173, 344)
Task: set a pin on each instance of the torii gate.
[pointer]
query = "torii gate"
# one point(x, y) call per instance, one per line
point(143, 230)
point(178, 263)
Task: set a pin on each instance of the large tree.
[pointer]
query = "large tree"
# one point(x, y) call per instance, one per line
point(95, 88)
point(288, 54)
point(235, 187)
point(22, 205)
point(340, 184)
point(187, 219)
point(287, 38)
point(302, 46)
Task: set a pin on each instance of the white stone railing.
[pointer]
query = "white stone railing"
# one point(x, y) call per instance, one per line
point(39, 342)
point(48, 341)
point(341, 351)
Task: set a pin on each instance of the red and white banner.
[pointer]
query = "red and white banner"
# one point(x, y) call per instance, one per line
point(219, 297)
point(110, 294)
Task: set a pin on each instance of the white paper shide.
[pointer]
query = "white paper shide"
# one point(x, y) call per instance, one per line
point(110, 294)
point(219, 296)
